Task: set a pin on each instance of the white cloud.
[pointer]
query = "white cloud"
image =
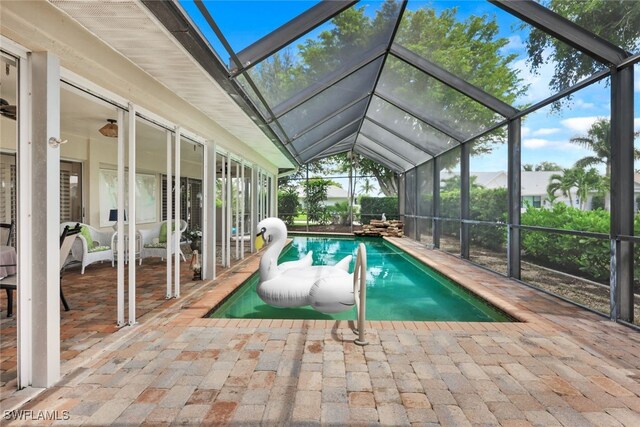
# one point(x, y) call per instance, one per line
point(525, 131)
point(545, 131)
point(535, 143)
point(580, 103)
point(637, 85)
point(515, 43)
point(538, 82)
point(579, 125)
point(636, 124)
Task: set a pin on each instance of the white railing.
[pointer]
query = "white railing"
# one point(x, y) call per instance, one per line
point(360, 292)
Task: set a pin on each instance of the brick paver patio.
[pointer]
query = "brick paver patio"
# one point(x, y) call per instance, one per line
point(562, 366)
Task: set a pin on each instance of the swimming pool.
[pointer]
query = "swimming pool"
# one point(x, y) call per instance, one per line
point(399, 287)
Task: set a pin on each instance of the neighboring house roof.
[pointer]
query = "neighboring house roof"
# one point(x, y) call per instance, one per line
point(333, 192)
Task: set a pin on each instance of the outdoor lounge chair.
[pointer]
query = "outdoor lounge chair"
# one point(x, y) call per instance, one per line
point(92, 246)
point(6, 231)
point(152, 241)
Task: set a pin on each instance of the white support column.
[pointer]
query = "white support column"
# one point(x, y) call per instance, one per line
point(132, 214)
point(169, 202)
point(24, 316)
point(254, 207)
point(223, 211)
point(209, 223)
point(120, 224)
point(243, 184)
point(274, 195)
point(229, 213)
point(237, 208)
point(177, 233)
point(45, 239)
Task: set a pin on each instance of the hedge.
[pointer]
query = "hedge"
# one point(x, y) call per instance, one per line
point(374, 207)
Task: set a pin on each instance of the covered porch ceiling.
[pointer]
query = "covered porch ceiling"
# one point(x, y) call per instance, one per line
point(383, 96)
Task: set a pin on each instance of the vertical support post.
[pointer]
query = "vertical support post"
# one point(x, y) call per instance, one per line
point(306, 182)
point(213, 202)
point(229, 211)
point(169, 197)
point(513, 180)
point(622, 203)
point(351, 192)
point(206, 214)
point(243, 184)
point(120, 222)
point(26, 158)
point(223, 211)
point(237, 209)
point(45, 199)
point(254, 207)
point(175, 231)
point(437, 224)
point(132, 214)
point(465, 181)
point(402, 189)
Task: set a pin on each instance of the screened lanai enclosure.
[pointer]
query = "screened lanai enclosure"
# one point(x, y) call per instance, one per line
point(505, 128)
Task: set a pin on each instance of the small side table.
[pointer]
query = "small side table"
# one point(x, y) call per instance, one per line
point(114, 248)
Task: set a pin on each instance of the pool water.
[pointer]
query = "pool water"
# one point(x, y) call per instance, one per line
point(399, 287)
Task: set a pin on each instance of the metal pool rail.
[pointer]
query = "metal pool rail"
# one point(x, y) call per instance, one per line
point(360, 292)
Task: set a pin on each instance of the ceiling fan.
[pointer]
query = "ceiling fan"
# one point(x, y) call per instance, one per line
point(7, 110)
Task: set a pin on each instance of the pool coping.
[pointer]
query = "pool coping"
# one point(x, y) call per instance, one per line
point(445, 264)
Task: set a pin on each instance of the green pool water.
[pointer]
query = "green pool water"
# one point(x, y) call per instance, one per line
point(399, 287)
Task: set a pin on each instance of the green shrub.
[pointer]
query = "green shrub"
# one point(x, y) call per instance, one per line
point(288, 205)
point(374, 207)
point(597, 202)
point(315, 193)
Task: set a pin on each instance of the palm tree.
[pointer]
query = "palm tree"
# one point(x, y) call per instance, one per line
point(598, 140)
point(367, 187)
point(563, 182)
point(587, 181)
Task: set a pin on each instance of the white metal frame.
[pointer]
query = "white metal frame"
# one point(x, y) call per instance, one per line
point(132, 213)
point(178, 203)
point(169, 195)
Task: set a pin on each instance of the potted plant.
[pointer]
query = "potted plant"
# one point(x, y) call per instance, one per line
point(194, 235)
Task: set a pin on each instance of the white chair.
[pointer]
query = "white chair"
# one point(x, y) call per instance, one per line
point(87, 253)
point(151, 245)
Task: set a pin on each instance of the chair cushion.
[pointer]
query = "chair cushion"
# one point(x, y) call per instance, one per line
point(100, 249)
point(87, 236)
point(156, 245)
point(162, 237)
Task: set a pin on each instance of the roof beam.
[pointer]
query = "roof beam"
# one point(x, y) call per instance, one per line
point(439, 125)
point(329, 117)
point(453, 81)
point(327, 82)
point(336, 149)
point(351, 123)
point(292, 30)
point(564, 30)
point(396, 134)
point(387, 148)
point(373, 156)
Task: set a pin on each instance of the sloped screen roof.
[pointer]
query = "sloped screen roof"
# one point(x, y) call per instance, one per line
point(396, 81)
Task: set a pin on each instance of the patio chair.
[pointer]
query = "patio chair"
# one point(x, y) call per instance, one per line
point(67, 239)
point(6, 232)
point(154, 241)
point(92, 246)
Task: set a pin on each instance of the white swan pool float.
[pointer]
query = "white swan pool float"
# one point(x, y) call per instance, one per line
point(327, 288)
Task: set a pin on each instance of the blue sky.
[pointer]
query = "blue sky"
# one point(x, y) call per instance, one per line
point(545, 134)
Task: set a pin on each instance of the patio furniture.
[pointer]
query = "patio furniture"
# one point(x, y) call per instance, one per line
point(6, 231)
point(92, 245)
point(9, 283)
point(156, 238)
point(114, 248)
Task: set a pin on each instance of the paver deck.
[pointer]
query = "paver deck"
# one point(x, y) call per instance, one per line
point(561, 366)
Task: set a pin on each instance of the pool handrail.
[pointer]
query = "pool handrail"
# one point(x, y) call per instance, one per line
point(360, 292)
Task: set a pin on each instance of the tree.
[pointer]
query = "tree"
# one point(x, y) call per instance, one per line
point(315, 193)
point(563, 182)
point(470, 48)
point(615, 21)
point(598, 140)
point(367, 187)
point(586, 181)
point(288, 204)
point(542, 166)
